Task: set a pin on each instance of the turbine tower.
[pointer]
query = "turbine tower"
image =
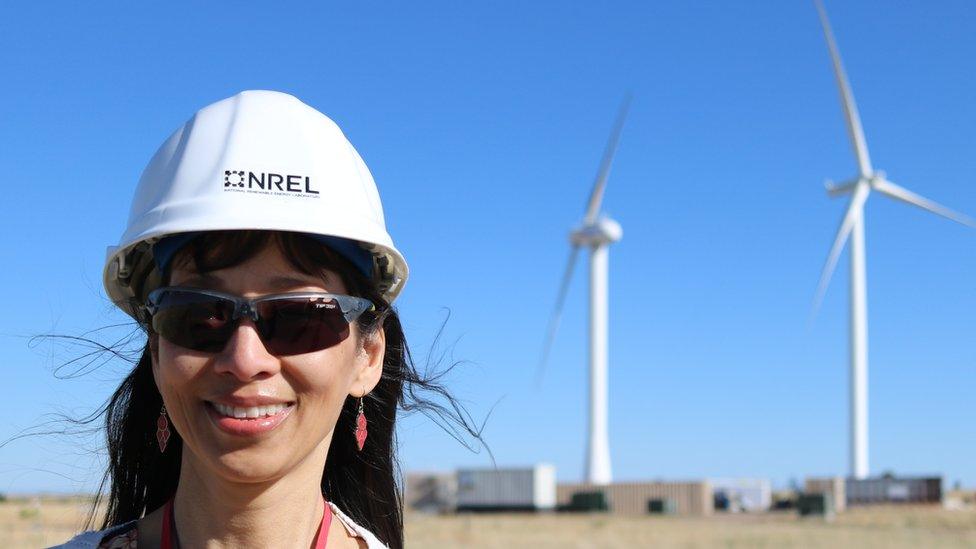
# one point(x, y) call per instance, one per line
point(596, 232)
point(852, 226)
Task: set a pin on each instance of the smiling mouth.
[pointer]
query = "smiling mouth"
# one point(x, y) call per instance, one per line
point(252, 412)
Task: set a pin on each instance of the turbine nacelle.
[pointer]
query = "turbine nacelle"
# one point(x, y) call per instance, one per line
point(601, 232)
point(875, 180)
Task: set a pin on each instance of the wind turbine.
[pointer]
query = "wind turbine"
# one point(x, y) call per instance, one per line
point(852, 226)
point(596, 232)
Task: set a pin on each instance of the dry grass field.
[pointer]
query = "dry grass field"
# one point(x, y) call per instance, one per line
point(915, 527)
point(40, 523)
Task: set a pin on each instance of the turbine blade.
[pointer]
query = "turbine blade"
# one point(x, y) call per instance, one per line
point(854, 129)
point(900, 193)
point(837, 189)
point(600, 184)
point(556, 315)
point(854, 210)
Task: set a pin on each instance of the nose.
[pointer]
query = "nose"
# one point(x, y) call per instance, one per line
point(245, 356)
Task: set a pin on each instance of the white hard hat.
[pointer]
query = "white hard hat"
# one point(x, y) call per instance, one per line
point(261, 160)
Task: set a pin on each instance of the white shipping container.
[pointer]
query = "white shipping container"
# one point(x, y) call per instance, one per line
point(750, 494)
point(530, 488)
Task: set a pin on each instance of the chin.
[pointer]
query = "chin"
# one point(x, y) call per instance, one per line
point(249, 466)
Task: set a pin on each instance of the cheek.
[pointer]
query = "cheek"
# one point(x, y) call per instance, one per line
point(323, 374)
point(175, 372)
point(175, 366)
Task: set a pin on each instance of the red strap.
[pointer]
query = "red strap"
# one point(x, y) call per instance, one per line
point(323, 534)
point(167, 539)
point(321, 537)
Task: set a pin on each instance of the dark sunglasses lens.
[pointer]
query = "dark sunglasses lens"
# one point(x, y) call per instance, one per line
point(195, 321)
point(293, 326)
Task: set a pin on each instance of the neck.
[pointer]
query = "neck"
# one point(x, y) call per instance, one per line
point(215, 512)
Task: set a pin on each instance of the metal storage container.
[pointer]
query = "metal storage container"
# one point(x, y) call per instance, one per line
point(524, 489)
point(892, 489)
point(744, 494)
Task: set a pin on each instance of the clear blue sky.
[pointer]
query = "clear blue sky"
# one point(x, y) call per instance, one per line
point(483, 125)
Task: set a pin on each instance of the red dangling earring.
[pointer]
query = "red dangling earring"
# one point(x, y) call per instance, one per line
point(361, 426)
point(162, 429)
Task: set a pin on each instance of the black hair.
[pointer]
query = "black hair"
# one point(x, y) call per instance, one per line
point(364, 484)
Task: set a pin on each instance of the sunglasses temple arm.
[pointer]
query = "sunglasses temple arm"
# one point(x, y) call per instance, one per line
point(145, 312)
point(357, 309)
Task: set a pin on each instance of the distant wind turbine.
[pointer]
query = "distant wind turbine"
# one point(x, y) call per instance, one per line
point(597, 233)
point(852, 226)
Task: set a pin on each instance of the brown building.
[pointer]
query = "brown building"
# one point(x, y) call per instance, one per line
point(630, 498)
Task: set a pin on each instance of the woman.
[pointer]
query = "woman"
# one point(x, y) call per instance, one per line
point(262, 411)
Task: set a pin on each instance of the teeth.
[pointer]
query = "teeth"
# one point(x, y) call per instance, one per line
point(252, 412)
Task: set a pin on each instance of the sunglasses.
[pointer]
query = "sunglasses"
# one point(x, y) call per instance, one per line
point(288, 324)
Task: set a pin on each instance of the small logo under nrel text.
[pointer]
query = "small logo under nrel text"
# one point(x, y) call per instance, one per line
point(268, 183)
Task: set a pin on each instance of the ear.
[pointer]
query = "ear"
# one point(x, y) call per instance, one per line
point(369, 364)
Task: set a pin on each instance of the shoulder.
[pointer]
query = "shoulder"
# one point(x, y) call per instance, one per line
point(116, 537)
point(123, 536)
point(356, 530)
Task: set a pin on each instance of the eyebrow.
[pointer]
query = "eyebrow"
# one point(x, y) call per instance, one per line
point(202, 280)
point(286, 282)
